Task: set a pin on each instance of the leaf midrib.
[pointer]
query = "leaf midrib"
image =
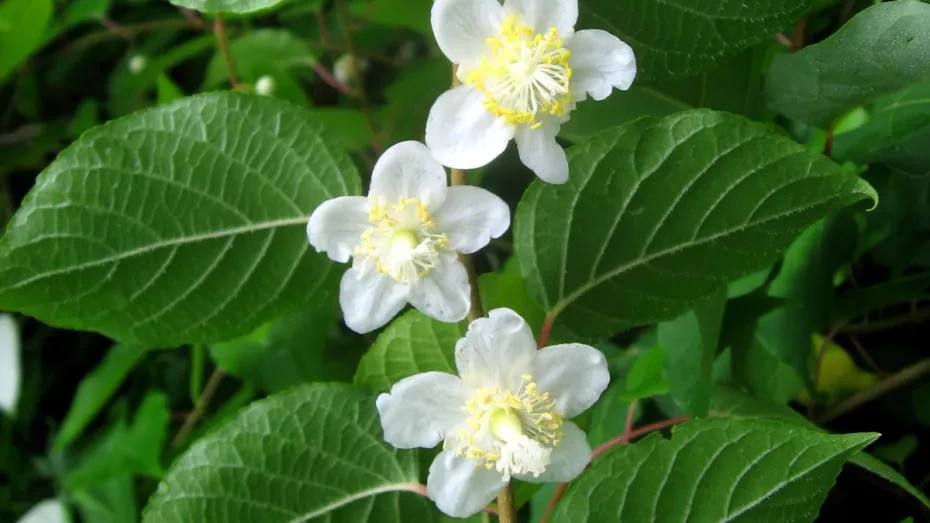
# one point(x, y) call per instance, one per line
point(222, 233)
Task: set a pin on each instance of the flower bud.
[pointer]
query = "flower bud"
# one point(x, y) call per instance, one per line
point(265, 86)
point(137, 64)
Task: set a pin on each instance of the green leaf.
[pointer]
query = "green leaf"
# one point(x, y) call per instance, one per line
point(412, 14)
point(85, 117)
point(507, 289)
point(734, 86)
point(896, 134)
point(757, 364)
point(22, 31)
point(347, 126)
point(647, 376)
point(287, 352)
point(805, 283)
point(821, 82)
point(411, 344)
point(729, 403)
point(167, 91)
point(275, 53)
point(83, 10)
point(404, 114)
point(660, 213)
point(180, 224)
point(686, 37)
point(96, 389)
point(898, 451)
point(899, 290)
point(227, 6)
point(314, 451)
point(113, 501)
point(690, 343)
point(713, 470)
point(608, 415)
point(132, 449)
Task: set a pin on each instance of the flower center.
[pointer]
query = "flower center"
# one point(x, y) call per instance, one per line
point(524, 75)
point(400, 240)
point(512, 432)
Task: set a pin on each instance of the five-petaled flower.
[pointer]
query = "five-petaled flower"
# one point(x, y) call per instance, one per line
point(523, 68)
point(404, 239)
point(504, 418)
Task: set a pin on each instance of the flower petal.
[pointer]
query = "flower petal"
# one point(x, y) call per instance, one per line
point(48, 511)
point(336, 226)
point(540, 15)
point(368, 298)
point(496, 351)
point(408, 170)
point(459, 488)
point(569, 458)
point(10, 364)
point(470, 217)
point(443, 293)
point(462, 27)
point(600, 62)
point(420, 410)
point(541, 153)
point(461, 133)
point(576, 375)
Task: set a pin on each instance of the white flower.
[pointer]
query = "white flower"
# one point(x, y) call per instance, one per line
point(265, 86)
point(504, 418)
point(10, 365)
point(404, 239)
point(523, 68)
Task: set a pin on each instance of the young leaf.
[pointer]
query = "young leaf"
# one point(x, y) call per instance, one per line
point(10, 364)
point(896, 134)
point(22, 31)
point(647, 376)
point(411, 344)
point(127, 449)
point(96, 389)
point(314, 451)
point(507, 289)
point(660, 213)
point(227, 6)
point(686, 37)
point(690, 343)
point(713, 470)
point(184, 223)
point(882, 49)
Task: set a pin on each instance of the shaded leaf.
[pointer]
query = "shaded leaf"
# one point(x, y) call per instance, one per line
point(821, 82)
point(686, 37)
point(22, 31)
point(96, 389)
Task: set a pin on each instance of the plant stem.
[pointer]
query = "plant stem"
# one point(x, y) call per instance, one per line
point(196, 377)
point(357, 76)
point(200, 407)
point(626, 438)
point(896, 380)
point(918, 316)
point(506, 512)
point(545, 331)
point(219, 27)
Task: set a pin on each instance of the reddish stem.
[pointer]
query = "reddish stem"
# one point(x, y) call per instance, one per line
point(330, 79)
point(630, 412)
point(626, 438)
point(545, 331)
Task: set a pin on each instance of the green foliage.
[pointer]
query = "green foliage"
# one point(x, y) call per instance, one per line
point(684, 38)
point(714, 470)
point(96, 389)
point(234, 230)
point(690, 343)
point(22, 31)
point(896, 134)
point(823, 81)
point(411, 344)
point(654, 231)
point(315, 451)
point(230, 6)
